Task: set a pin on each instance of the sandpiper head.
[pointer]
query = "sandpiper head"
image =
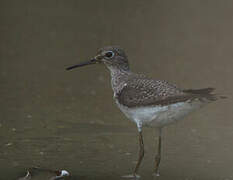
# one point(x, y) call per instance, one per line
point(111, 56)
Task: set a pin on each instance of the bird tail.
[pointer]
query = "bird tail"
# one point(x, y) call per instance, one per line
point(206, 93)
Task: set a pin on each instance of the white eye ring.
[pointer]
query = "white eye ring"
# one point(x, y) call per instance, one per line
point(109, 54)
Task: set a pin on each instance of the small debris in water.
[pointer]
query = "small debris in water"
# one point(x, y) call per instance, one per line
point(13, 129)
point(9, 144)
point(50, 174)
point(29, 116)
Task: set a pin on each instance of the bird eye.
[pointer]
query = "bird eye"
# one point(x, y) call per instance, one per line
point(109, 54)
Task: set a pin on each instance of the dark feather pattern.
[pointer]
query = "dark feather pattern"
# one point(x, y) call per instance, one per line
point(147, 92)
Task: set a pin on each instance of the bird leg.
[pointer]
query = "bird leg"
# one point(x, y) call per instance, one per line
point(158, 155)
point(140, 157)
point(141, 153)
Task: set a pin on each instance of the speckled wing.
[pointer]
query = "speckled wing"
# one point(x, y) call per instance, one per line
point(146, 92)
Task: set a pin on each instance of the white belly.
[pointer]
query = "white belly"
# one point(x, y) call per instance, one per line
point(159, 116)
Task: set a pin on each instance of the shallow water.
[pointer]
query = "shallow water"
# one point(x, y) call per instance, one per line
point(67, 120)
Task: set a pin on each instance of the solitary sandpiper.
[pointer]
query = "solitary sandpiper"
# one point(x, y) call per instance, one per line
point(146, 101)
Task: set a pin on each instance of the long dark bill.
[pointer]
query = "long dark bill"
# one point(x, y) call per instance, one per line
point(92, 61)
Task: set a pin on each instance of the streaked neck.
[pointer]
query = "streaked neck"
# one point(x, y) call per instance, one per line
point(119, 76)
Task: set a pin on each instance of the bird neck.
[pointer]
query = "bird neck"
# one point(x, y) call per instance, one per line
point(119, 77)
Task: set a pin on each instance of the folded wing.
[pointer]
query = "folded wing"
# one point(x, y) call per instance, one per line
point(147, 92)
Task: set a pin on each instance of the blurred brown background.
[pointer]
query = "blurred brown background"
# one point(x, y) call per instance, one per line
point(59, 119)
